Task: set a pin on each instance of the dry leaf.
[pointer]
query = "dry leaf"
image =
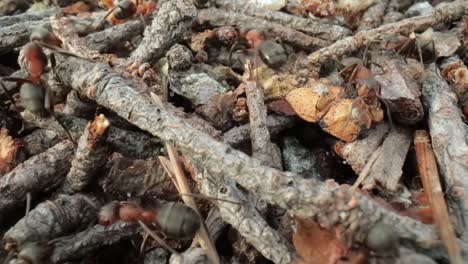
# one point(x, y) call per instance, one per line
point(320, 246)
point(457, 73)
point(281, 107)
point(275, 85)
point(311, 104)
point(8, 150)
point(339, 121)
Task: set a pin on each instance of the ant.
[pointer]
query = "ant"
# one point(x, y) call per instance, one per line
point(271, 53)
point(412, 45)
point(174, 218)
point(365, 108)
point(117, 14)
point(34, 92)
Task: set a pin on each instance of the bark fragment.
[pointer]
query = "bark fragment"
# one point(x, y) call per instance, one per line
point(400, 88)
point(387, 168)
point(90, 155)
point(116, 36)
point(139, 178)
point(357, 153)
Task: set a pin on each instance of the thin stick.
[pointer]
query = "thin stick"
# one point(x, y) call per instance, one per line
point(366, 170)
point(203, 234)
point(157, 238)
point(431, 183)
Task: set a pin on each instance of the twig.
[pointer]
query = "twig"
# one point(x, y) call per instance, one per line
point(79, 245)
point(116, 36)
point(241, 134)
point(272, 29)
point(247, 220)
point(91, 155)
point(262, 147)
point(372, 17)
point(39, 174)
point(431, 182)
point(52, 219)
point(448, 133)
point(443, 12)
point(170, 26)
point(133, 144)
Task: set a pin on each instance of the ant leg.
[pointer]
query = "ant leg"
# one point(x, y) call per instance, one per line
point(157, 238)
point(353, 74)
point(48, 106)
point(347, 68)
point(231, 50)
point(407, 43)
point(59, 50)
point(364, 55)
point(143, 20)
point(389, 114)
point(8, 94)
point(201, 196)
point(419, 52)
point(101, 22)
point(434, 50)
point(379, 66)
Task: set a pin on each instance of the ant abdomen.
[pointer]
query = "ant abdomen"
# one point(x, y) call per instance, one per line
point(33, 97)
point(125, 10)
point(273, 54)
point(178, 220)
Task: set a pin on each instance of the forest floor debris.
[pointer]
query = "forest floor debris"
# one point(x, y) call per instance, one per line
point(298, 131)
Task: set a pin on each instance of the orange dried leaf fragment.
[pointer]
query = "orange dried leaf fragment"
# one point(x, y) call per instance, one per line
point(311, 104)
point(317, 246)
point(8, 149)
point(457, 73)
point(275, 85)
point(341, 122)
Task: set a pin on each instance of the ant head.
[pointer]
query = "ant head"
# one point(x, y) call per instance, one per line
point(255, 37)
point(109, 213)
point(227, 35)
point(125, 9)
point(273, 54)
point(45, 35)
point(33, 59)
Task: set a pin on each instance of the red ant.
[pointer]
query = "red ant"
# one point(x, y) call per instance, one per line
point(117, 14)
point(411, 46)
point(34, 92)
point(175, 219)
